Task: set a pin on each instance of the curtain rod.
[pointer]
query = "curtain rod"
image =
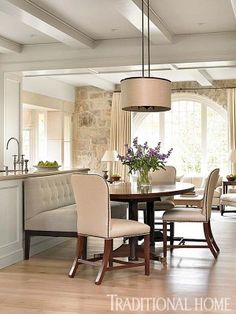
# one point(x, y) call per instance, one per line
point(192, 88)
point(202, 88)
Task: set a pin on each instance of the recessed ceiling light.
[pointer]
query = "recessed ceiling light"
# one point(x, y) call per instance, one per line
point(114, 29)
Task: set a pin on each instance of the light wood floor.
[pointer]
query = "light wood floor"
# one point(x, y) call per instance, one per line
point(41, 285)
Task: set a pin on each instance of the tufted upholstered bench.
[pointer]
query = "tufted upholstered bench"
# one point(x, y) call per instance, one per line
point(50, 209)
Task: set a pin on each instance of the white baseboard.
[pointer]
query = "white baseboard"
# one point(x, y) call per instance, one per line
point(38, 244)
point(12, 258)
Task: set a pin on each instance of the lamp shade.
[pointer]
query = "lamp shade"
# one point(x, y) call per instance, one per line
point(232, 155)
point(110, 155)
point(145, 94)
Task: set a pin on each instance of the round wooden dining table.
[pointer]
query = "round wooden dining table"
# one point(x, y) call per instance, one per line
point(129, 193)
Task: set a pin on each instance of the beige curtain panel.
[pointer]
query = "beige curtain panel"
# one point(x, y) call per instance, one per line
point(120, 133)
point(232, 123)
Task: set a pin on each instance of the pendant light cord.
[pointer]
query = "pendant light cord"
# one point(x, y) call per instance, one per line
point(148, 39)
point(142, 38)
point(148, 24)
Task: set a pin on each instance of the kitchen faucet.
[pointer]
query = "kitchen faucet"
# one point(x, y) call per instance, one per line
point(18, 159)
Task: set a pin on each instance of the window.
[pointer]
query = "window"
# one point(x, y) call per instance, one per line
point(27, 147)
point(195, 127)
point(42, 136)
point(47, 135)
point(67, 140)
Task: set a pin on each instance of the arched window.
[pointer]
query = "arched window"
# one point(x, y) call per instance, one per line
point(196, 128)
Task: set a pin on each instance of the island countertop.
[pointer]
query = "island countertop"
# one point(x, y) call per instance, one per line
point(19, 175)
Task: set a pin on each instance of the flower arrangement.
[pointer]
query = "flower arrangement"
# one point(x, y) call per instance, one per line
point(143, 158)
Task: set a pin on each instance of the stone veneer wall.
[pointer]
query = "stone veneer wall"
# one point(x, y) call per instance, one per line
point(217, 92)
point(91, 127)
point(91, 120)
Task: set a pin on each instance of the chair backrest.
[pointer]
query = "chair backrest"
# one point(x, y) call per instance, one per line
point(167, 176)
point(209, 192)
point(92, 198)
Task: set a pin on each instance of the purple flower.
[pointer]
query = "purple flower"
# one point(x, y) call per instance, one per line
point(142, 156)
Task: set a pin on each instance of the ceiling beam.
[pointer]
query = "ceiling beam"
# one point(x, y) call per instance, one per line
point(132, 11)
point(198, 51)
point(45, 22)
point(173, 67)
point(10, 45)
point(156, 24)
point(99, 82)
point(202, 77)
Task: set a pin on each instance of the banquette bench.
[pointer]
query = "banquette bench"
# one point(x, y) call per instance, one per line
point(50, 209)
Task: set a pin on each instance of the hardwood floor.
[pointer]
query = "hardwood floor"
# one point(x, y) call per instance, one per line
point(41, 285)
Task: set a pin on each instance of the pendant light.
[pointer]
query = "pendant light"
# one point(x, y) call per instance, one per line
point(146, 93)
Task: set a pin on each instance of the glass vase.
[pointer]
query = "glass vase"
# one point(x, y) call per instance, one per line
point(144, 178)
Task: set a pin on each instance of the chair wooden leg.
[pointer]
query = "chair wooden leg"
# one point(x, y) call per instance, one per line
point(27, 244)
point(208, 239)
point(164, 239)
point(172, 234)
point(145, 216)
point(222, 210)
point(79, 252)
point(84, 254)
point(106, 256)
point(212, 238)
point(147, 254)
point(111, 255)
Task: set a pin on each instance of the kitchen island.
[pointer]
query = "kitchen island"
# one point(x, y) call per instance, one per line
point(11, 215)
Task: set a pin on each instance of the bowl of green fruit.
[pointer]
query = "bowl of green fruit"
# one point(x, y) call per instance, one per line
point(231, 177)
point(47, 166)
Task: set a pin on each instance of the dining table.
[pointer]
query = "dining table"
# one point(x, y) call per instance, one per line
point(131, 194)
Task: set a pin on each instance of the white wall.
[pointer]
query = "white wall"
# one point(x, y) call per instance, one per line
point(49, 87)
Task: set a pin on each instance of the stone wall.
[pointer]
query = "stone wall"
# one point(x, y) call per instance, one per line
point(217, 92)
point(91, 127)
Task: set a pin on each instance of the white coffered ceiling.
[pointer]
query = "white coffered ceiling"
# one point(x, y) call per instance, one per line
point(97, 42)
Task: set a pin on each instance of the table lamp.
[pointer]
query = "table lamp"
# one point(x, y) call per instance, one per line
point(110, 156)
point(232, 158)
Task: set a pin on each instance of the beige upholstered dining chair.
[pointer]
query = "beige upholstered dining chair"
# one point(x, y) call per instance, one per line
point(94, 219)
point(202, 215)
point(164, 177)
point(161, 177)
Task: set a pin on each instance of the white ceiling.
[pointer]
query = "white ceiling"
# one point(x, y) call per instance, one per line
point(96, 18)
point(201, 16)
point(69, 35)
point(21, 33)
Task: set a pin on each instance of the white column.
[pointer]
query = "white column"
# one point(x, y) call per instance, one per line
point(12, 115)
point(1, 119)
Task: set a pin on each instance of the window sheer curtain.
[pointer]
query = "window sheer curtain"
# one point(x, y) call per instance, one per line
point(120, 133)
point(232, 122)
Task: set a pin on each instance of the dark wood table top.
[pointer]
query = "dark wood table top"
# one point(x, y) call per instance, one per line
point(128, 191)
